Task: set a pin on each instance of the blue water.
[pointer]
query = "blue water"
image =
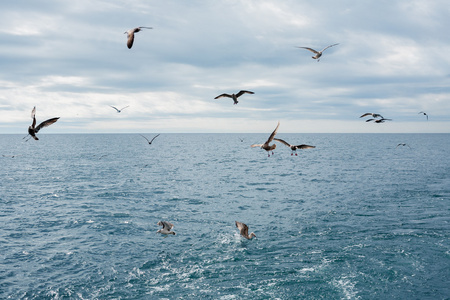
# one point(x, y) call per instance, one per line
point(354, 218)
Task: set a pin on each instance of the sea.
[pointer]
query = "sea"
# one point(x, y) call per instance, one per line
point(357, 217)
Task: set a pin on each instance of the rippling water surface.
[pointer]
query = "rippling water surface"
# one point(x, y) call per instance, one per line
point(354, 218)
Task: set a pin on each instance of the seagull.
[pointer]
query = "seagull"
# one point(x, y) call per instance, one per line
point(119, 110)
point(150, 141)
point(130, 35)
point(166, 227)
point(243, 229)
point(318, 53)
point(294, 147)
point(424, 113)
point(234, 96)
point(379, 120)
point(403, 144)
point(241, 139)
point(372, 114)
point(266, 145)
point(32, 130)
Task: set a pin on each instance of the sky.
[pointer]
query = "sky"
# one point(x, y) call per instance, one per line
point(70, 60)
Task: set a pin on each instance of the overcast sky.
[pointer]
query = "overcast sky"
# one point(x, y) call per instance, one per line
point(70, 60)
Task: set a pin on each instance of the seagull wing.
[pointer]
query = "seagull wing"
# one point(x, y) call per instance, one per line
point(310, 49)
point(124, 107)
point(243, 92)
point(115, 108)
point(46, 123)
point(328, 47)
point(303, 146)
point(130, 40)
point(167, 225)
point(223, 95)
point(242, 228)
point(370, 120)
point(283, 141)
point(273, 134)
point(145, 27)
point(145, 138)
point(33, 116)
point(366, 114)
point(256, 145)
point(154, 138)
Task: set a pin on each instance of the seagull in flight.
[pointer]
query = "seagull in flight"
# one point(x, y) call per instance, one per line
point(166, 228)
point(150, 141)
point(130, 35)
point(266, 145)
point(403, 144)
point(294, 147)
point(372, 114)
point(243, 230)
point(379, 120)
point(318, 53)
point(119, 110)
point(424, 113)
point(234, 96)
point(33, 129)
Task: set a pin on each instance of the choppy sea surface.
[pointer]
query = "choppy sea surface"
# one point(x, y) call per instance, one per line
point(354, 218)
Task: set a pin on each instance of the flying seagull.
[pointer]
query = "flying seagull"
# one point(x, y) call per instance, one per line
point(150, 141)
point(234, 96)
point(266, 145)
point(294, 147)
point(372, 114)
point(424, 113)
point(32, 130)
point(379, 120)
point(403, 144)
point(119, 110)
point(243, 229)
point(130, 35)
point(166, 227)
point(318, 53)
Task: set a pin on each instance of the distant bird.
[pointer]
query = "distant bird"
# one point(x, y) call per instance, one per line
point(318, 53)
point(266, 145)
point(130, 35)
point(424, 113)
point(150, 141)
point(119, 110)
point(234, 96)
point(241, 139)
point(243, 230)
point(402, 144)
point(294, 147)
point(379, 120)
point(372, 114)
point(32, 130)
point(166, 227)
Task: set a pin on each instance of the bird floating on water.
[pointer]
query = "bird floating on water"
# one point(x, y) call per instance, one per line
point(243, 230)
point(266, 145)
point(318, 53)
point(372, 114)
point(150, 141)
point(234, 96)
point(130, 35)
point(33, 129)
point(294, 147)
point(403, 144)
point(424, 113)
point(166, 227)
point(119, 110)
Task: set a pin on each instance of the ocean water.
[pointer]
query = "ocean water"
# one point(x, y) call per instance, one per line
point(354, 218)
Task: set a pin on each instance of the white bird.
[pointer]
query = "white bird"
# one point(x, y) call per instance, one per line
point(119, 110)
point(150, 141)
point(294, 147)
point(243, 230)
point(130, 35)
point(166, 227)
point(266, 145)
point(234, 96)
point(318, 53)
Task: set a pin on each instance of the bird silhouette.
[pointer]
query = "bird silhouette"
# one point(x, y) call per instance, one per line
point(150, 141)
point(294, 147)
point(119, 110)
point(130, 35)
point(266, 146)
point(33, 129)
point(372, 114)
point(234, 96)
point(378, 120)
point(424, 113)
point(403, 144)
point(318, 53)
